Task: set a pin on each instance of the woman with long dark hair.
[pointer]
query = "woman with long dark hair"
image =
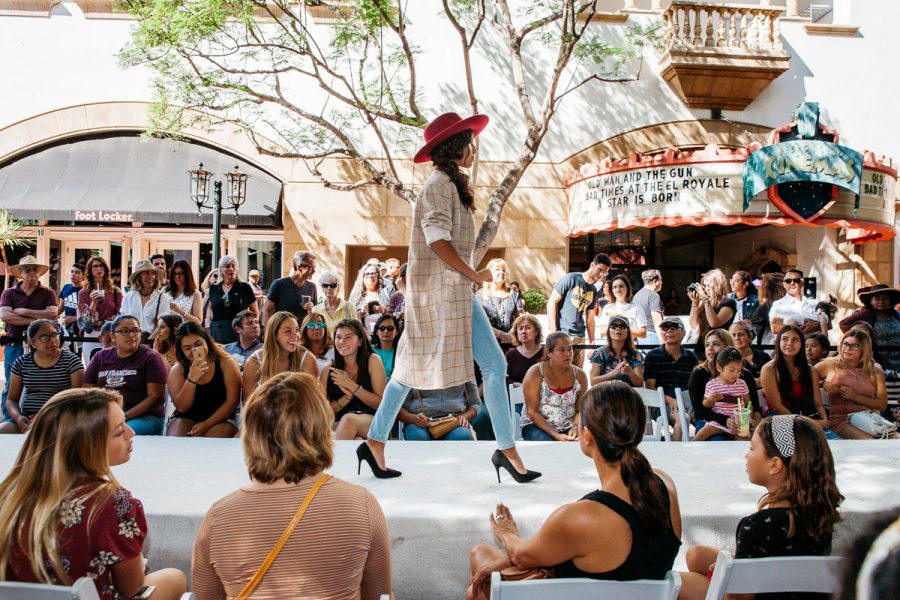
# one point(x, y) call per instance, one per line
point(384, 341)
point(715, 341)
point(437, 350)
point(205, 386)
point(187, 302)
point(163, 337)
point(630, 530)
point(98, 302)
point(354, 382)
point(790, 457)
point(619, 359)
point(790, 384)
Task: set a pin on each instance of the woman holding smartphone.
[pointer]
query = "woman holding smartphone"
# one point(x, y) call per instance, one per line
point(205, 386)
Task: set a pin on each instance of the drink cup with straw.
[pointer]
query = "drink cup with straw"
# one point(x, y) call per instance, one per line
point(742, 415)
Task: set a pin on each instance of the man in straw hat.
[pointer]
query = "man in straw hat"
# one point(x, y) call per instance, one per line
point(21, 305)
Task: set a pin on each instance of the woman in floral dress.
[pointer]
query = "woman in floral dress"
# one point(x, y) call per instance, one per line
point(88, 525)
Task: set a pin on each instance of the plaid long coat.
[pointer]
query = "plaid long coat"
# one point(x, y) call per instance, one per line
point(435, 351)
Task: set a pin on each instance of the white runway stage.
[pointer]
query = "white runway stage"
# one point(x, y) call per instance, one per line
point(439, 509)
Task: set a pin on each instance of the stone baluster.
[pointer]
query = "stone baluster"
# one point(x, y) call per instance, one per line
point(733, 40)
point(696, 35)
point(769, 42)
point(656, 5)
point(710, 32)
point(685, 27)
point(792, 9)
point(630, 4)
point(720, 38)
point(777, 45)
point(743, 27)
point(754, 30)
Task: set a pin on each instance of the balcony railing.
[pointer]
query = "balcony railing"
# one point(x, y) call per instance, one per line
point(722, 55)
point(691, 25)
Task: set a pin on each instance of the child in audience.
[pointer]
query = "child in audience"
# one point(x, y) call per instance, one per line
point(817, 348)
point(790, 457)
point(64, 515)
point(724, 392)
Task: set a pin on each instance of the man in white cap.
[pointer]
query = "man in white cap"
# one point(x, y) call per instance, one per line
point(21, 305)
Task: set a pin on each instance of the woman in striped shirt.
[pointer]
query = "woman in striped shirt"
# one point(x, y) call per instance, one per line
point(339, 550)
point(40, 374)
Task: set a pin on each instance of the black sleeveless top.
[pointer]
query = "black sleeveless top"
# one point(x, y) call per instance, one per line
point(652, 554)
point(333, 392)
point(207, 397)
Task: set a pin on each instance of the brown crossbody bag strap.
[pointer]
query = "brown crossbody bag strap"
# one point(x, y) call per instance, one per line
point(273, 554)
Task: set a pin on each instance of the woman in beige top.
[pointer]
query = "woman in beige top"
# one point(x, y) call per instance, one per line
point(339, 550)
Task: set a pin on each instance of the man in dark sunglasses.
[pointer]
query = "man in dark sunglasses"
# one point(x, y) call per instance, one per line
point(794, 308)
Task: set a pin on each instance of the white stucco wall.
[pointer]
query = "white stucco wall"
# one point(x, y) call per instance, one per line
point(66, 60)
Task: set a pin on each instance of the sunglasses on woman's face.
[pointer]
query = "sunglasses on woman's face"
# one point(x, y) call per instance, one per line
point(618, 326)
point(315, 325)
point(329, 286)
point(387, 328)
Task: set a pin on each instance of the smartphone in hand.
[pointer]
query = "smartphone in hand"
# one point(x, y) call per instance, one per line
point(198, 354)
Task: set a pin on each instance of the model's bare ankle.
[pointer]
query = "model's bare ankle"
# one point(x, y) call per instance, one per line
point(377, 449)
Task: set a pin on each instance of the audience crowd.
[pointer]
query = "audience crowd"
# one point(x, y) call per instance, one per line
point(226, 359)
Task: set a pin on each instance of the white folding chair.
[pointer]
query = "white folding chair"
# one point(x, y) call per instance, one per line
point(586, 589)
point(819, 574)
point(682, 413)
point(656, 399)
point(516, 398)
point(82, 589)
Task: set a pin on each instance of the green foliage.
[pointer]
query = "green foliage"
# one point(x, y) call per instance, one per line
point(535, 300)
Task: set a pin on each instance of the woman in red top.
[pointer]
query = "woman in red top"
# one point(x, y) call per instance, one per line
point(86, 524)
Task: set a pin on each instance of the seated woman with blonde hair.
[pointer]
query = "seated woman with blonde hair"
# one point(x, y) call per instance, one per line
point(64, 515)
point(339, 549)
point(630, 530)
point(282, 351)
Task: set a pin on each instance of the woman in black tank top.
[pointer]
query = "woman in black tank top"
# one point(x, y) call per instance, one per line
point(205, 386)
point(590, 537)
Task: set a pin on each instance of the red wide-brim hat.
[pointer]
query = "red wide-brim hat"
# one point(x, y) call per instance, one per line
point(445, 126)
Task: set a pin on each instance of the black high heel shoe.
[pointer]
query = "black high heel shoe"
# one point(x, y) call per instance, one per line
point(364, 453)
point(499, 460)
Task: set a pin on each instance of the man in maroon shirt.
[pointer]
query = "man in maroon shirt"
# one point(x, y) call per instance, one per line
point(19, 307)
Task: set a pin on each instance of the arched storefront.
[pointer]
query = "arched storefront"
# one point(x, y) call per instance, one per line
point(91, 184)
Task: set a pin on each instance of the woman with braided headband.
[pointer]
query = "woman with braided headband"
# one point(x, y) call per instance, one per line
point(630, 530)
point(791, 459)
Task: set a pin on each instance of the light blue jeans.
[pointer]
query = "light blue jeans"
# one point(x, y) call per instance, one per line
point(146, 425)
point(11, 353)
point(414, 433)
point(492, 363)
